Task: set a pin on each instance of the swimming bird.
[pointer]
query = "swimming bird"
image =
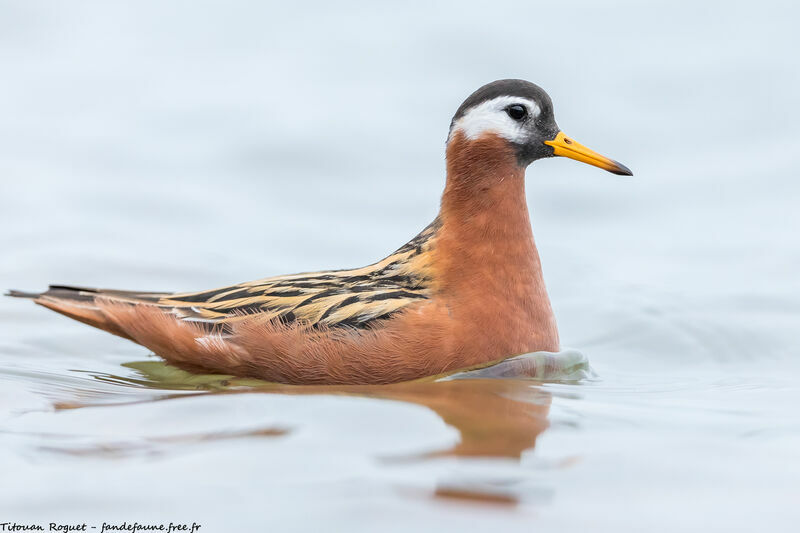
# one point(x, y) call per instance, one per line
point(466, 291)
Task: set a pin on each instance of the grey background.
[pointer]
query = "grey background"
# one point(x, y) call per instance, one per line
point(187, 145)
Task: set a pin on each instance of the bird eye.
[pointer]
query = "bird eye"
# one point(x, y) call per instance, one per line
point(516, 111)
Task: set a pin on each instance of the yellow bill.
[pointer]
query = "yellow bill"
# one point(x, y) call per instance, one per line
point(564, 146)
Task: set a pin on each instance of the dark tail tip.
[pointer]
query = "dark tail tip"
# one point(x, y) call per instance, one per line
point(22, 294)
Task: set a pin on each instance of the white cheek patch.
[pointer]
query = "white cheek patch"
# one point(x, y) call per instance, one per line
point(491, 116)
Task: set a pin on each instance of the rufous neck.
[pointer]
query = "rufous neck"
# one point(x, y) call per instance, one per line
point(484, 196)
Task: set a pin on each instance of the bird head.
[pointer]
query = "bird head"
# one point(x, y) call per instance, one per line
point(521, 113)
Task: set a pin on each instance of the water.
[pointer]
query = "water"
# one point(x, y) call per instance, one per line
point(187, 146)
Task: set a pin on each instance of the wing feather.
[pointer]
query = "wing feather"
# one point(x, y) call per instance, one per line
point(351, 298)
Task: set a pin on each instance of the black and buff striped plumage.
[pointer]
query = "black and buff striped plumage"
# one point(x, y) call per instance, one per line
point(336, 298)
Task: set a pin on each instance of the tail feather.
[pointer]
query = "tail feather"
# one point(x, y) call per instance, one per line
point(86, 294)
point(79, 303)
point(22, 294)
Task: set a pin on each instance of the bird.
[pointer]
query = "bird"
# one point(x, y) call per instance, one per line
point(465, 292)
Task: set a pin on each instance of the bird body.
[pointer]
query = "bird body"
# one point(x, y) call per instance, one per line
point(466, 291)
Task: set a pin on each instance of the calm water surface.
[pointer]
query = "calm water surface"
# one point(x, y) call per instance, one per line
point(184, 147)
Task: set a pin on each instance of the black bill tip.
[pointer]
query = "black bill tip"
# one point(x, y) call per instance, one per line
point(621, 170)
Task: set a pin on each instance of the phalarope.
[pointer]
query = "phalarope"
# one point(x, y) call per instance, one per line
point(466, 291)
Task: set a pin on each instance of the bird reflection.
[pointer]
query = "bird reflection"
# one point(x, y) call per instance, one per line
point(496, 418)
